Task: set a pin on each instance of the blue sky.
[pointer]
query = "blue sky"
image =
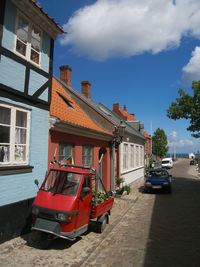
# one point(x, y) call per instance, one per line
point(135, 53)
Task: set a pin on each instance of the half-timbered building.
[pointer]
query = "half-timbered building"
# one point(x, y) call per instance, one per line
point(27, 37)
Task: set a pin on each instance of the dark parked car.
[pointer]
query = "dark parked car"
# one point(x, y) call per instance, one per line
point(158, 179)
point(193, 162)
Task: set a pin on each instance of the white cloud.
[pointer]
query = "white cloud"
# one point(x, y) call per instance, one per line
point(172, 135)
point(191, 71)
point(184, 145)
point(113, 28)
point(174, 141)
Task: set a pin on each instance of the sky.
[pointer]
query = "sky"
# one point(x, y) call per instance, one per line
point(135, 53)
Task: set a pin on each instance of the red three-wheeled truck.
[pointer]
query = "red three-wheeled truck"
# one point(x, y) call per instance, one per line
point(68, 199)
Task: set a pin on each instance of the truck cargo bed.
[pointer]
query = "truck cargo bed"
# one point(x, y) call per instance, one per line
point(101, 208)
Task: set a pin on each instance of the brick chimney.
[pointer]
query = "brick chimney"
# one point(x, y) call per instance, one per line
point(85, 89)
point(116, 107)
point(65, 74)
point(125, 107)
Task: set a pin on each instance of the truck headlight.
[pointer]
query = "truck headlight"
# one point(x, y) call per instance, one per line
point(64, 217)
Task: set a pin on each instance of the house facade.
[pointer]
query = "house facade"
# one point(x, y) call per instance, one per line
point(132, 150)
point(27, 37)
point(74, 137)
point(121, 164)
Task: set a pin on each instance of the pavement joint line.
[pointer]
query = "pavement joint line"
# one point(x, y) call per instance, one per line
point(109, 230)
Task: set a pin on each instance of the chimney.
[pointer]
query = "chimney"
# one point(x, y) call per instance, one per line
point(125, 107)
point(133, 114)
point(65, 74)
point(85, 89)
point(115, 107)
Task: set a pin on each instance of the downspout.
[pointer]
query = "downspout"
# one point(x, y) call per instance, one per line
point(112, 166)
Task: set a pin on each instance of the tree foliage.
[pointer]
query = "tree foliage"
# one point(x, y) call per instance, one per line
point(188, 107)
point(159, 143)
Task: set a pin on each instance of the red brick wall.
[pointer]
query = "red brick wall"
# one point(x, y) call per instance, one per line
point(57, 137)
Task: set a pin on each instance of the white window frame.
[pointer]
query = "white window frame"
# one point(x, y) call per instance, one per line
point(28, 49)
point(132, 156)
point(87, 155)
point(125, 156)
point(12, 161)
point(137, 156)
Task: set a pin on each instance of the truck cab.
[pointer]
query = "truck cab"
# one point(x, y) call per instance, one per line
point(66, 202)
point(167, 163)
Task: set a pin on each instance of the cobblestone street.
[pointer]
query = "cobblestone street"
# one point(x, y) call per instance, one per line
point(144, 230)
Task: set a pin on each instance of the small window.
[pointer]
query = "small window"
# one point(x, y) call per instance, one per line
point(14, 135)
point(28, 40)
point(66, 152)
point(125, 156)
point(87, 155)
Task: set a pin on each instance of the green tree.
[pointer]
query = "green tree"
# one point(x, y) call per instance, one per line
point(159, 143)
point(188, 107)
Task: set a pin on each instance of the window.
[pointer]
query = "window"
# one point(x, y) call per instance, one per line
point(87, 155)
point(132, 156)
point(14, 135)
point(28, 40)
point(66, 151)
point(125, 156)
point(137, 156)
point(141, 155)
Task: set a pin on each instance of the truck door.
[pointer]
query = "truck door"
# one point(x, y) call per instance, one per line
point(84, 205)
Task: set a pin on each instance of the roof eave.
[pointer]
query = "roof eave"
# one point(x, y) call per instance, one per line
point(70, 128)
point(41, 18)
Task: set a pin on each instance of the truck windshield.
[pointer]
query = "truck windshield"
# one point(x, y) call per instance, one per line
point(62, 182)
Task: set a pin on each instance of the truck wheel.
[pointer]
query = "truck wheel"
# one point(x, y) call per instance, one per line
point(102, 225)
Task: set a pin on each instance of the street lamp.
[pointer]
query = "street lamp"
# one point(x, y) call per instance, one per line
point(119, 133)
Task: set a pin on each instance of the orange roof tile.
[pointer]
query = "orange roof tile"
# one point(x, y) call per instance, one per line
point(146, 134)
point(129, 117)
point(62, 111)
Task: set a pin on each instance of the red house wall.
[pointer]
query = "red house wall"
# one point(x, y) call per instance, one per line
point(78, 141)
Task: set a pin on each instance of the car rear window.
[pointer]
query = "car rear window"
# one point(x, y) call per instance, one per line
point(158, 174)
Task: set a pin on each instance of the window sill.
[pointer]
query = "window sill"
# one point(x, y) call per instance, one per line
point(9, 170)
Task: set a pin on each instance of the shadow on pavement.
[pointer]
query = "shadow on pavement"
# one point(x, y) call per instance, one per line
point(174, 235)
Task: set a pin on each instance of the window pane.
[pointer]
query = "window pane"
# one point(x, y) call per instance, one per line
point(22, 30)
point(87, 155)
point(35, 45)
point(36, 34)
point(4, 153)
point(4, 115)
point(66, 151)
point(20, 136)
point(35, 40)
point(21, 48)
point(35, 56)
point(21, 118)
point(4, 134)
point(20, 153)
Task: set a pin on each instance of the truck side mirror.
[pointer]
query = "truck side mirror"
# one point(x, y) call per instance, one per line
point(85, 190)
point(36, 183)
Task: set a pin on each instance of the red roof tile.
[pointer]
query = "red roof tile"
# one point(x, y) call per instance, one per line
point(146, 134)
point(128, 116)
point(62, 111)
